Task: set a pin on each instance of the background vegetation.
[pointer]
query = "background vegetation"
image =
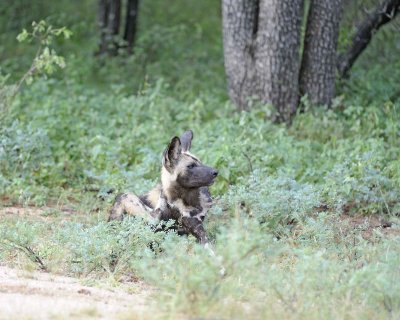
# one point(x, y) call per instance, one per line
point(286, 197)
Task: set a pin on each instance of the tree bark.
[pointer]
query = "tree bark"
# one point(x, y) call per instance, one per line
point(102, 22)
point(131, 22)
point(240, 23)
point(382, 15)
point(277, 54)
point(114, 19)
point(318, 68)
point(261, 51)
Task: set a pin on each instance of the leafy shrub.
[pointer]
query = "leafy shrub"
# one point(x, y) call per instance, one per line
point(362, 184)
point(23, 237)
point(273, 201)
point(108, 247)
point(290, 278)
point(25, 158)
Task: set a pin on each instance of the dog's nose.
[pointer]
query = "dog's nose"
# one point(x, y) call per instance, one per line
point(215, 173)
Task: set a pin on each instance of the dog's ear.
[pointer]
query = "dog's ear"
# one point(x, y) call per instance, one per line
point(172, 153)
point(186, 140)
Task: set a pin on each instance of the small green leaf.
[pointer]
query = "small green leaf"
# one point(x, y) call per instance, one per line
point(23, 36)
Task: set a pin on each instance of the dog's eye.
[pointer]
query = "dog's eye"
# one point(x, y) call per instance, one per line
point(191, 166)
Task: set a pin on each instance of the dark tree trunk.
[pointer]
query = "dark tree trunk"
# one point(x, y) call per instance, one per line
point(318, 69)
point(109, 18)
point(102, 22)
point(261, 50)
point(382, 15)
point(114, 19)
point(131, 22)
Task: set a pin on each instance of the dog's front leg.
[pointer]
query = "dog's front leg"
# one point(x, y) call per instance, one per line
point(195, 227)
point(160, 208)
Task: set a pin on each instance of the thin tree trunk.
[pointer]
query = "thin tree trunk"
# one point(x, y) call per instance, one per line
point(102, 22)
point(382, 15)
point(131, 22)
point(261, 51)
point(114, 19)
point(318, 68)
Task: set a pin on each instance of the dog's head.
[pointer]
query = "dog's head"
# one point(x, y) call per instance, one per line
point(183, 168)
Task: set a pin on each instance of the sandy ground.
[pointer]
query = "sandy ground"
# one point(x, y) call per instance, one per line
point(33, 211)
point(38, 295)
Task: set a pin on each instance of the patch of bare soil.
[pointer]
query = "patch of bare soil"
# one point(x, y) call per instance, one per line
point(32, 211)
point(45, 296)
point(368, 224)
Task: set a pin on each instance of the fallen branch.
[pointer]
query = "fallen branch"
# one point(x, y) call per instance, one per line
point(29, 252)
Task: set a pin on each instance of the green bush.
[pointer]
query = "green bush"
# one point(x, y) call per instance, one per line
point(108, 247)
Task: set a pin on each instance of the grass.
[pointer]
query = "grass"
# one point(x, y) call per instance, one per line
point(282, 223)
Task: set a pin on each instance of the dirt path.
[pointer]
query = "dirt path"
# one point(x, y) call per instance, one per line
point(45, 296)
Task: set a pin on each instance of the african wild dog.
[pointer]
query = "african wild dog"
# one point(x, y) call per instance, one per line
point(183, 194)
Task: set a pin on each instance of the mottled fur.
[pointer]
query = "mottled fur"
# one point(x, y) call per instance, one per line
point(183, 194)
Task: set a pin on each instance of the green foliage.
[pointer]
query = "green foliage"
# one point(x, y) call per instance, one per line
point(23, 237)
point(111, 247)
point(77, 146)
point(300, 277)
point(275, 202)
point(24, 151)
point(45, 62)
